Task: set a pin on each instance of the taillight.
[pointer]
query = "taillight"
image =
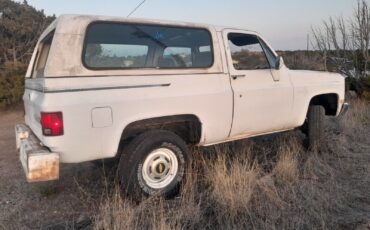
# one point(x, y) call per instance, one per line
point(52, 124)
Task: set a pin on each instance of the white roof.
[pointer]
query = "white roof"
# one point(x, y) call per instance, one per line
point(64, 22)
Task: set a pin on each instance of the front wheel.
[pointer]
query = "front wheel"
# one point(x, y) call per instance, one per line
point(153, 163)
point(315, 125)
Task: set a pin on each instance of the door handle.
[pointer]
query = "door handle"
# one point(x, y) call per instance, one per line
point(237, 76)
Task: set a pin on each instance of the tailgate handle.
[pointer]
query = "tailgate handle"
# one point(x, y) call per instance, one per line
point(237, 76)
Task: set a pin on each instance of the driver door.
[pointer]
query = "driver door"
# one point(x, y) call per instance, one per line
point(262, 103)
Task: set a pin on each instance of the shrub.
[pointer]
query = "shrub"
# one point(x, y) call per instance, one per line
point(365, 81)
point(11, 84)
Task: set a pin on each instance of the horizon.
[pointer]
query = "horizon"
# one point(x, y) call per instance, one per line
point(283, 33)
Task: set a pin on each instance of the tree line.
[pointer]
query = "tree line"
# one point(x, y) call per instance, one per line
point(20, 28)
point(344, 42)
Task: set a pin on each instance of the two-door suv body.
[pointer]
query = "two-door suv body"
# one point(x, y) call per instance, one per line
point(144, 90)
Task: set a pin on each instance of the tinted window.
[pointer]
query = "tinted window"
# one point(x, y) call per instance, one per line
point(247, 52)
point(176, 57)
point(120, 46)
point(113, 55)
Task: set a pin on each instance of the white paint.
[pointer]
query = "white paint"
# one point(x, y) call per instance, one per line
point(101, 117)
point(267, 105)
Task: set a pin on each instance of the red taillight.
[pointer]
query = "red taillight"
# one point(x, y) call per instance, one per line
point(52, 124)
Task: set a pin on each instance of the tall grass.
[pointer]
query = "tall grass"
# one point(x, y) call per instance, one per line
point(358, 115)
point(268, 183)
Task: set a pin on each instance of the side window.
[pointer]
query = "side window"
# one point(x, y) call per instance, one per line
point(113, 55)
point(124, 45)
point(42, 56)
point(176, 57)
point(247, 52)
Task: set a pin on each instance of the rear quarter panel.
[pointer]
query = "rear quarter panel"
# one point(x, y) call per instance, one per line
point(207, 96)
point(71, 88)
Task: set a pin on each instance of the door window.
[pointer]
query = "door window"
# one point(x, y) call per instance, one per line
point(269, 54)
point(247, 52)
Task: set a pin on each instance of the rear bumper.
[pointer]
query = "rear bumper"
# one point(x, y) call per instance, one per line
point(38, 162)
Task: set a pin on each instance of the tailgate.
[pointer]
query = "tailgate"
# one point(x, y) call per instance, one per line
point(34, 96)
point(33, 103)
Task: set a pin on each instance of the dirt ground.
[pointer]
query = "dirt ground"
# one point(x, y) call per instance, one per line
point(71, 202)
point(53, 205)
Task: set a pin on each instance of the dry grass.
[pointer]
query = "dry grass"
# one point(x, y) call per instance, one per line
point(117, 212)
point(232, 183)
point(358, 116)
point(286, 169)
point(262, 183)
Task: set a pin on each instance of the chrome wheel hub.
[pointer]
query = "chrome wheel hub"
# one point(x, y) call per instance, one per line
point(160, 168)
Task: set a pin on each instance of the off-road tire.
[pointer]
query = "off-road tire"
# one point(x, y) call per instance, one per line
point(315, 125)
point(133, 156)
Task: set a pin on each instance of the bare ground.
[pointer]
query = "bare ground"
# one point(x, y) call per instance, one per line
point(67, 202)
point(338, 193)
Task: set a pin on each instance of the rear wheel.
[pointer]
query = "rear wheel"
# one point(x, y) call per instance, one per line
point(153, 163)
point(315, 125)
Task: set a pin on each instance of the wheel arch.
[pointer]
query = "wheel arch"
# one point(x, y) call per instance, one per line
point(187, 126)
point(329, 101)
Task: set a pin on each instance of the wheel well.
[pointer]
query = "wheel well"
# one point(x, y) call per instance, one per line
point(328, 101)
point(188, 127)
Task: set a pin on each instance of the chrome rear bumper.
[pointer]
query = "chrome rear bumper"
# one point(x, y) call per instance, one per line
point(38, 162)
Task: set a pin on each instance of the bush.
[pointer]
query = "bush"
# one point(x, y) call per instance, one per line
point(365, 81)
point(11, 84)
point(360, 85)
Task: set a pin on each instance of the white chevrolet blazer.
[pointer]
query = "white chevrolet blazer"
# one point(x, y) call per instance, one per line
point(143, 91)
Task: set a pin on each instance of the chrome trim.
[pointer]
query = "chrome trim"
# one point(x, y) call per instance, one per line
point(46, 90)
point(130, 75)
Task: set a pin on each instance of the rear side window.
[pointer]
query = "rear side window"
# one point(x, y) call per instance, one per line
point(42, 56)
point(125, 46)
point(177, 57)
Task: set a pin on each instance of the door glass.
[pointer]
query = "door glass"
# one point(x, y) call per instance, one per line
point(247, 52)
point(270, 56)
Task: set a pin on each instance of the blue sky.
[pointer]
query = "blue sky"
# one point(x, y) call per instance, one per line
point(284, 23)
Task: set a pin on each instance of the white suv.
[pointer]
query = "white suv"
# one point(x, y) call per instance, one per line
point(144, 90)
